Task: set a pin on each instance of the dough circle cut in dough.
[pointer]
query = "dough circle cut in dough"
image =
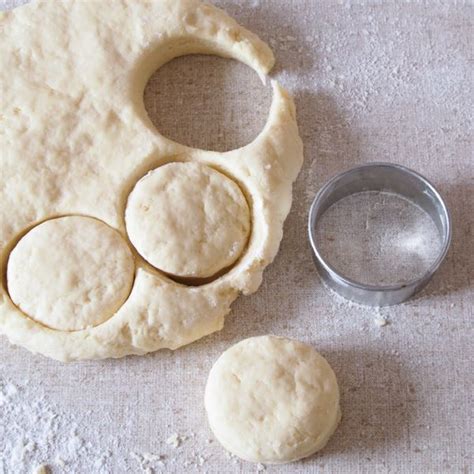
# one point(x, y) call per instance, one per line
point(70, 273)
point(272, 400)
point(188, 220)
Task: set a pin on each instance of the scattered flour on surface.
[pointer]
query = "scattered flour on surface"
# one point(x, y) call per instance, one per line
point(380, 322)
point(38, 437)
point(175, 440)
point(36, 434)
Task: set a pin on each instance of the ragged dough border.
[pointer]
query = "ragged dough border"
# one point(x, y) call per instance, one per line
point(161, 313)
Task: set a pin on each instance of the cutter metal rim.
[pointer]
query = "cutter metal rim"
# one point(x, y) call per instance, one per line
point(421, 193)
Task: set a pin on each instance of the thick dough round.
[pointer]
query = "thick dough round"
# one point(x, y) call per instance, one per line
point(188, 220)
point(272, 400)
point(70, 273)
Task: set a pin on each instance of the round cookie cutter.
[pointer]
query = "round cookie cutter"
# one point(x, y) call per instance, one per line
point(385, 177)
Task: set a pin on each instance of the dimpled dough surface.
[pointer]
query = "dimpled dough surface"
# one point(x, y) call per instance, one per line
point(188, 220)
point(75, 139)
point(272, 400)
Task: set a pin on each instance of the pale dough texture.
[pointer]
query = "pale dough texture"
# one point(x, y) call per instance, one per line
point(70, 273)
point(75, 139)
point(272, 400)
point(188, 220)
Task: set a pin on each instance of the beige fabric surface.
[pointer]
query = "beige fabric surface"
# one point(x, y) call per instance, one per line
point(373, 81)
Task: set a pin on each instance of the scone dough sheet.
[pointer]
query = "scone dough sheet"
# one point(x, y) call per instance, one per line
point(272, 400)
point(75, 139)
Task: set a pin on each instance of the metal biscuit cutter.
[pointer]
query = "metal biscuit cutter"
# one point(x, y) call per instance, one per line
point(384, 177)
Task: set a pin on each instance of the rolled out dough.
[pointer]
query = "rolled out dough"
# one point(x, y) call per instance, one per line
point(75, 139)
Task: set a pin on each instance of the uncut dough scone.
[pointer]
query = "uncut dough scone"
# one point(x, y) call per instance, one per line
point(272, 400)
point(75, 139)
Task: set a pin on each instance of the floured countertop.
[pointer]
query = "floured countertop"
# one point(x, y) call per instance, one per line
point(373, 81)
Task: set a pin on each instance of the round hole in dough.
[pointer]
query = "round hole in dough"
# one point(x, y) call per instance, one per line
point(188, 220)
point(213, 112)
point(70, 273)
point(272, 400)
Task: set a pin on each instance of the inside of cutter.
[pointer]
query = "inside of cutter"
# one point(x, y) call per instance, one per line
point(378, 238)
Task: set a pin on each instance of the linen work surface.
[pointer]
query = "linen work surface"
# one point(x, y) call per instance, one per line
point(373, 81)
